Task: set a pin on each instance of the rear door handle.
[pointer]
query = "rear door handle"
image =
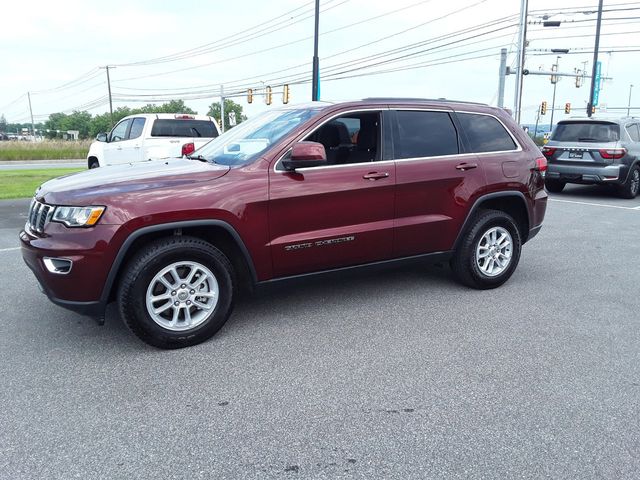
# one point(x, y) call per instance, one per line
point(375, 175)
point(466, 166)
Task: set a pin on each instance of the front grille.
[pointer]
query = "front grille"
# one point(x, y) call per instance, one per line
point(39, 214)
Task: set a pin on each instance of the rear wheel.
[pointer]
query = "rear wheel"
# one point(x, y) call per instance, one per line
point(629, 189)
point(554, 186)
point(489, 251)
point(176, 292)
point(93, 163)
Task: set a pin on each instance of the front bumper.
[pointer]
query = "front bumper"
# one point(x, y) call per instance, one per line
point(587, 174)
point(81, 289)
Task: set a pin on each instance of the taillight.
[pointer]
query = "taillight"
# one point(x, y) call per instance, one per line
point(541, 164)
point(548, 151)
point(613, 153)
point(188, 148)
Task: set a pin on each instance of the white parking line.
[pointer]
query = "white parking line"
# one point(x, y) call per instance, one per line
point(9, 249)
point(594, 204)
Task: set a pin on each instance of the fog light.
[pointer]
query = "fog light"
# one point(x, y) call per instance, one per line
point(60, 266)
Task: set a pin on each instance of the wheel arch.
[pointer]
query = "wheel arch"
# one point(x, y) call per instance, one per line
point(503, 201)
point(217, 232)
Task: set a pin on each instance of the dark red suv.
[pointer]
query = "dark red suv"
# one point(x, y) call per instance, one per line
point(297, 190)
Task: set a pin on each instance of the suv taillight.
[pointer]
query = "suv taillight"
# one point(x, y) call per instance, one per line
point(188, 148)
point(613, 153)
point(548, 151)
point(541, 164)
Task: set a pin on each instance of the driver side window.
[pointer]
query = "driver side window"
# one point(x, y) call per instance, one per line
point(352, 138)
point(119, 132)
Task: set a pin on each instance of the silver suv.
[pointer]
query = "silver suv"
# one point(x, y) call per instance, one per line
point(595, 151)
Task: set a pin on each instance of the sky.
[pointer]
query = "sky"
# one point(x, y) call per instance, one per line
point(160, 50)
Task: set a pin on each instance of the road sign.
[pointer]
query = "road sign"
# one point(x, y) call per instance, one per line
point(596, 88)
point(232, 119)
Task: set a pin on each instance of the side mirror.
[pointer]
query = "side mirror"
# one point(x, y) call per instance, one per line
point(304, 155)
point(101, 137)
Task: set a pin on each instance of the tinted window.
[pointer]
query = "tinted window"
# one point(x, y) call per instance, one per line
point(588, 131)
point(425, 134)
point(353, 138)
point(485, 133)
point(119, 132)
point(183, 128)
point(136, 128)
point(634, 133)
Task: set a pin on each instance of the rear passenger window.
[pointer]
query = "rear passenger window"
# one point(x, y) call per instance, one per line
point(425, 134)
point(485, 133)
point(136, 128)
point(633, 132)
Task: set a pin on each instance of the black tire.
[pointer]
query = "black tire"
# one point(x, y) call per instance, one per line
point(464, 264)
point(629, 189)
point(93, 163)
point(554, 186)
point(141, 270)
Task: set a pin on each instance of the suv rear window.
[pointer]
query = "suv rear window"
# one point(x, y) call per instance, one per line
point(485, 133)
point(586, 132)
point(183, 128)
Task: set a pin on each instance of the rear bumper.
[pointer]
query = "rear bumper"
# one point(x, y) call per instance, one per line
point(587, 174)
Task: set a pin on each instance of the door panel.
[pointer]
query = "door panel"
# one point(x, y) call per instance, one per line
point(433, 182)
point(328, 217)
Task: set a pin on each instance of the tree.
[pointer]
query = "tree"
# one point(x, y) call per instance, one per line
point(3, 123)
point(229, 106)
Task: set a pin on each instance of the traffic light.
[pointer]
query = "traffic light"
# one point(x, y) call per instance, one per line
point(250, 95)
point(267, 97)
point(567, 108)
point(543, 108)
point(285, 94)
point(593, 110)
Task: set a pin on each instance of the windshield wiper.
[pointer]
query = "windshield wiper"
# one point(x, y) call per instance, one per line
point(199, 157)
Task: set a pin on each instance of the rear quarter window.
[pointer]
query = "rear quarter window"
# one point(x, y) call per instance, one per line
point(485, 133)
point(589, 131)
point(183, 128)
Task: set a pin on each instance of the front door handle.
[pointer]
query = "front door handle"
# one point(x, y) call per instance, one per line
point(466, 166)
point(375, 175)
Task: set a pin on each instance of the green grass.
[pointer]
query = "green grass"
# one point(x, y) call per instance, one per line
point(46, 150)
point(23, 183)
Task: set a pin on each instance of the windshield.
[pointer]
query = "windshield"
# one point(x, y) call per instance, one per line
point(246, 142)
point(589, 131)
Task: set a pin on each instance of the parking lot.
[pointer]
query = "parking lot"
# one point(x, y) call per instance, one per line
point(401, 373)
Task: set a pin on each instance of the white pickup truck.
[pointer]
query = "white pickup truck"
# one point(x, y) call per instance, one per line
point(151, 136)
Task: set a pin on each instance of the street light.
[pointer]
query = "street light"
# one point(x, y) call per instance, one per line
point(554, 80)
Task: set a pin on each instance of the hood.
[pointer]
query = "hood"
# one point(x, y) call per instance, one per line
point(133, 177)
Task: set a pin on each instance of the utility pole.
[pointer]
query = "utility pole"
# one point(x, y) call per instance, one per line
point(33, 127)
point(221, 109)
point(315, 88)
point(503, 74)
point(595, 60)
point(524, 10)
point(109, 89)
point(629, 103)
point(554, 79)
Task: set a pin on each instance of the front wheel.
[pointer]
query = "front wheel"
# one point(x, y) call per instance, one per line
point(176, 292)
point(489, 251)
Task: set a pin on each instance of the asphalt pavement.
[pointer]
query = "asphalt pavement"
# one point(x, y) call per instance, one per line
point(398, 374)
point(31, 164)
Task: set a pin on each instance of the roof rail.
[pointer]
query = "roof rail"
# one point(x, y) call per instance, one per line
point(413, 99)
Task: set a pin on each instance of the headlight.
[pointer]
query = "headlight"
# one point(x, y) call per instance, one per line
point(78, 216)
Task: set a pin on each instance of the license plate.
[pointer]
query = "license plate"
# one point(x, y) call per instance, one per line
point(575, 154)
